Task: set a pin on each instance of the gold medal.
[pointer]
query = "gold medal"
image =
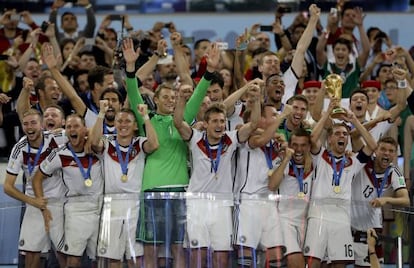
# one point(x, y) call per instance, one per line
point(337, 189)
point(270, 172)
point(301, 195)
point(88, 182)
point(124, 178)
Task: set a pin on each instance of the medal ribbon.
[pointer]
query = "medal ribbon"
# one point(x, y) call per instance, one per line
point(299, 175)
point(337, 175)
point(214, 162)
point(92, 106)
point(106, 130)
point(268, 155)
point(85, 174)
point(122, 162)
point(380, 188)
point(31, 165)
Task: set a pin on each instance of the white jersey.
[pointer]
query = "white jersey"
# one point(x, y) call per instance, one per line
point(366, 188)
point(203, 178)
point(90, 119)
point(375, 112)
point(323, 185)
point(252, 168)
point(291, 80)
point(380, 129)
point(292, 206)
point(236, 118)
point(23, 156)
point(63, 159)
point(112, 166)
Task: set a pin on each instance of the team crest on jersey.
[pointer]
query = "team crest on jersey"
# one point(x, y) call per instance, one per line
point(292, 172)
point(226, 144)
point(113, 154)
point(243, 239)
point(327, 158)
point(274, 150)
point(68, 161)
point(102, 250)
point(194, 242)
point(368, 170)
point(21, 243)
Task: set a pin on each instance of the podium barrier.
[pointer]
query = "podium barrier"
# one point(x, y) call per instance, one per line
point(207, 220)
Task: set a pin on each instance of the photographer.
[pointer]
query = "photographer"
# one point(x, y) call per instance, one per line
point(69, 23)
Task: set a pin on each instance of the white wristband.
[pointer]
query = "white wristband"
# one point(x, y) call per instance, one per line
point(146, 117)
point(101, 115)
point(402, 83)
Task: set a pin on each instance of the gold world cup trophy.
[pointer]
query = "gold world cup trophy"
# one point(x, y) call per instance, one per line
point(333, 85)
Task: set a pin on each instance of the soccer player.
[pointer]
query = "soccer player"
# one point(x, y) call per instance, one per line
point(378, 184)
point(124, 158)
point(211, 157)
point(27, 155)
point(82, 175)
point(329, 220)
point(293, 180)
point(257, 221)
point(166, 168)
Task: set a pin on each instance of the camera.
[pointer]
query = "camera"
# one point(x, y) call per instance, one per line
point(44, 26)
point(115, 17)
point(380, 35)
point(266, 28)
point(15, 17)
point(284, 9)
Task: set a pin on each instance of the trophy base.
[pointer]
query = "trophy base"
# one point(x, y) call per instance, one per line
point(338, 113)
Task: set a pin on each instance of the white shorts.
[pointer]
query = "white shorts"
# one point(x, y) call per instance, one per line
point(118, 227)
point(81, 227)
point(209, 224)
point(361, 254)
point(257, 224)
point(333, 237)
point(293, 235)
point(33, 236)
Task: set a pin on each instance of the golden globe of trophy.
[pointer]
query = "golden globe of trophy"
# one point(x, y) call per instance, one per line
point(333, 85)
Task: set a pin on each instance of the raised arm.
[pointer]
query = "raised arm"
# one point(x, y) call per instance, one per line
point(152, 139)
point(363, 37)
point(262, 139)
point(278, 174)
point(182, 126)
point(24, 59)
point(236, 95)
point(134, 96)
point(23, 101)
point(316, 110)
point(245, 131)
point(305, 40)
point(66, 87)
point(97, 129)
point(321, 56)
point(50, 33)
point(193, 105)
point(53, 14)
point(90, 26)
point(148, 67)
point(370, 142)
point(317, 130)
point(180, 59)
